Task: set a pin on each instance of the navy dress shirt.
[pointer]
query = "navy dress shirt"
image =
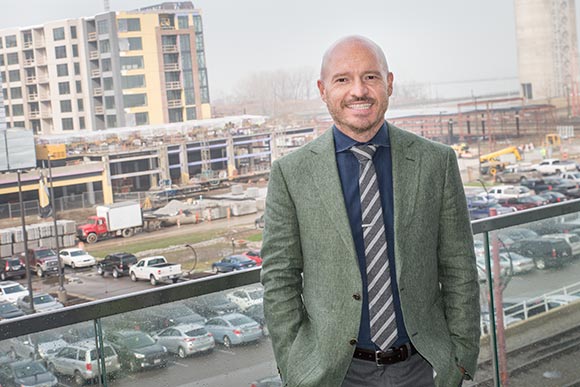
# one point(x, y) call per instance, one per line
point(348, 169)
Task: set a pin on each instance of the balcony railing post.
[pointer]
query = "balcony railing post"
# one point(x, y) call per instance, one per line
point(492, 321)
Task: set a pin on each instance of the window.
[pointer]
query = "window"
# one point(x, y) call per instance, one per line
point(75, 50)
point(65, 106)
point(60, 52)
point(199, 42)
point(103, 26)
point(109, 102)
point(189, 96)
point(15, 92)
point(142, 118)
point(191, 113)
point(527, 90)
point(80, 105)
point(186, 62)
point(133, 81)
point(131, 62)
point(204, 95)
point(1, 60)
point(1, 40)
point(182, 21)
point(130, 44)
point(106, 64)
point(134, 100)
point(200, 60)
point(58, 33)
point(18, 110)
point(203, 78)
point(63, 88)
point(82, 123)
point(111, 121)
point(108, 83)
point(197, 23)
point(175, 115)
point(73, 32)
point(78, 87)
point(184, 44)
point(11, 41)
point(132, 24)
point(19, 124)
point(104, 46)
point(14, 75)
point(12, 58)
point(77, 68)
point(67, 124)
point(62, 70)
point(5, 93)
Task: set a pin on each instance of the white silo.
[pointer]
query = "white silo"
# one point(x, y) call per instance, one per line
point(547, 48)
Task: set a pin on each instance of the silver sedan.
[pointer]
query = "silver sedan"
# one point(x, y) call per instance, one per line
point(186, 339)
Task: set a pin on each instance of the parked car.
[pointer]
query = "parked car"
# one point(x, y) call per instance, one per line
point(510, 235)
point(43, 302)
point(80, 361)
point(235, 328)
point(479, 209)
point(554, 166)
point(75, 257)
point(10, 291)
point(43, 261)
point(572, 176)
point(553, 197)
point(526, 308)
point(256, 313)
point(573, 241)
point(155, 269)
point(26, 373)
point(9, 310)
point(507, 192)
point(232, 263)
point(546, 252)
point(37, 345)
point(12, 267)
point(517, 173)
point(271, 381)
point(254, 255)
point(210, 305)
point(524, 202)
point(538, 185)
point(118, 264)
point(518, 263)
point(137, 350)
point(246, 296)
point(187, 339)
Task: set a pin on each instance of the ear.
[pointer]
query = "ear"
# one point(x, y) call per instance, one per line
point(321, 89)
point(390, 79)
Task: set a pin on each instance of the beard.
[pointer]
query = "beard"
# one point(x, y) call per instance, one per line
point(354, 124)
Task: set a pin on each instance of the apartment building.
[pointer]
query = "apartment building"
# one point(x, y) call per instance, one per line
point(116, 69)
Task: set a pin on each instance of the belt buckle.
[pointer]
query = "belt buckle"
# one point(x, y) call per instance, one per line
point(377, 359)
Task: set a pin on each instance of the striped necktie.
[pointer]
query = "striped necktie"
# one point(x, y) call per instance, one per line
point(380, 294)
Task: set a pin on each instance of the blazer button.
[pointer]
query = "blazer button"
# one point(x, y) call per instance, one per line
point(352, 342)
point(356, 296)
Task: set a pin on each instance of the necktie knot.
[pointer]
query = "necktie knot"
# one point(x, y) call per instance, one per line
point(364, 153)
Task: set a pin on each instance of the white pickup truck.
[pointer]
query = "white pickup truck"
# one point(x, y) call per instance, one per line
point(155, 269)
point(553, 166)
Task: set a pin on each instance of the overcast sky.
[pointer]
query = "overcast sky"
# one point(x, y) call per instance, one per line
point(425, 41)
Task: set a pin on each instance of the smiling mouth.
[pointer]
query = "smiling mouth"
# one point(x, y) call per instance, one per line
point(359, 106)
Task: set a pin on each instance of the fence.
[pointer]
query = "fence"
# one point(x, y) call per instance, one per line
point(64, 203)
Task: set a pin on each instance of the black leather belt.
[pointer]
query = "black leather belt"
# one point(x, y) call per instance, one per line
point(391, 356)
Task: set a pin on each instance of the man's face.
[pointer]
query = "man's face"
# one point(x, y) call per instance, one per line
point(356, 87)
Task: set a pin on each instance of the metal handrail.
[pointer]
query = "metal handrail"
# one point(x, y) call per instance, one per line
point(180, 291)
point(125, 303)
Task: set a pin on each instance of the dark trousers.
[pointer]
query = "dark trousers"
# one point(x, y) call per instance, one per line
point(414, 372)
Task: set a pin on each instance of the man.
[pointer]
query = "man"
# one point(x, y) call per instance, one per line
point(369, 271)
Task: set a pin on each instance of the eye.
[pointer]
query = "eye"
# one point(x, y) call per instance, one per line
point(340, 80)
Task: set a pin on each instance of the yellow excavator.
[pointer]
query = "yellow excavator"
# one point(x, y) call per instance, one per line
point(491, 163)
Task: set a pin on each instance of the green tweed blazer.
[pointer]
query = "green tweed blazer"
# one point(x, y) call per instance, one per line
point(310, 269)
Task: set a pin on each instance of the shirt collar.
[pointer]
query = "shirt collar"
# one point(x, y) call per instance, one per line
point(342, 142)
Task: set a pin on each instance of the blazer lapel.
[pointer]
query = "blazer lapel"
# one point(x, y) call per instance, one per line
point(326, 181)
point(406, 162)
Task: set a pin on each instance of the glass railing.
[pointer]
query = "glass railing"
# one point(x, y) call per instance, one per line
point(211, 331)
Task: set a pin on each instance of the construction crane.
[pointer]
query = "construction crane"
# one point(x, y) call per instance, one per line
point(491, 163)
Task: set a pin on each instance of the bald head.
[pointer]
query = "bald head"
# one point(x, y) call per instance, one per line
point(351, 41)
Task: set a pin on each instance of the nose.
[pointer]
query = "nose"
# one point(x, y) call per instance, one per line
point(359, 88)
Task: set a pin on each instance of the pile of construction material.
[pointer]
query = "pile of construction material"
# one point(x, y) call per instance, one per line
point(39, 235)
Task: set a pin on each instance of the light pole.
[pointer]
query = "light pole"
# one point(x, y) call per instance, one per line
point(62, 296)
point(25, 239)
